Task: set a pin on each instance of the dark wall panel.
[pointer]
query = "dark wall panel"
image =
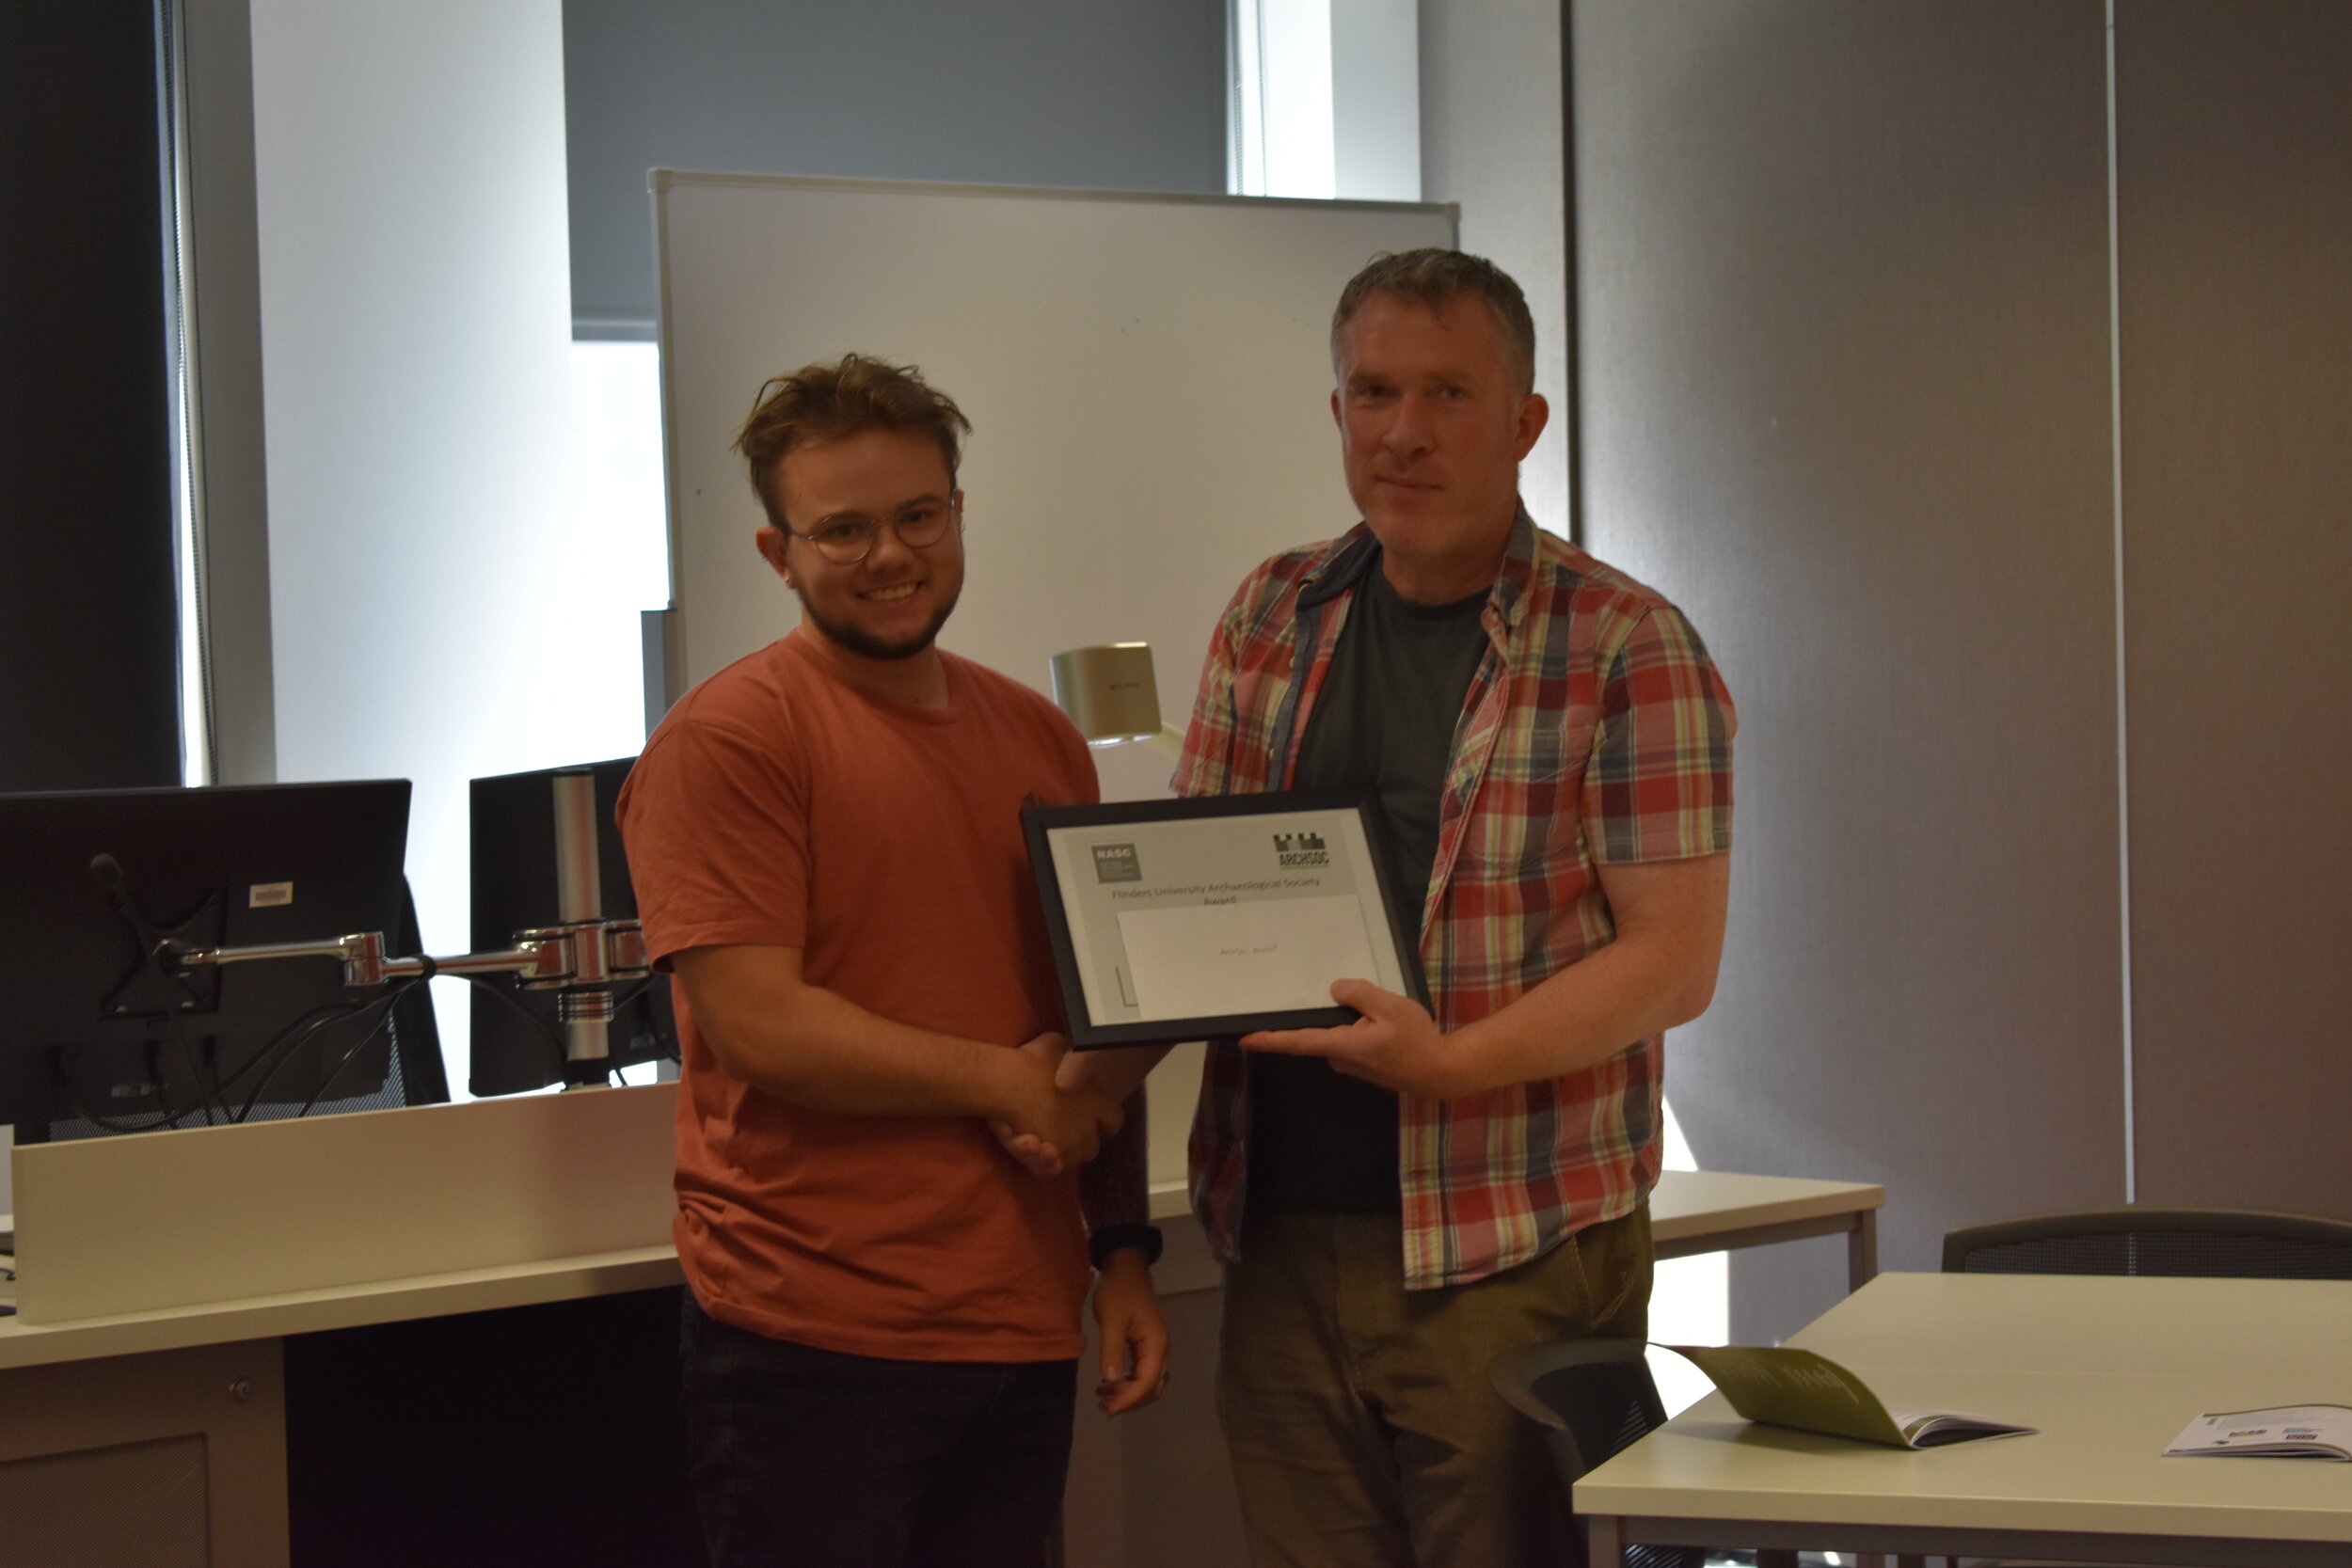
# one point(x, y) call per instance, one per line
point(89, 694)
point(2235, 252)
point(1842, 292)
point(1114, 94)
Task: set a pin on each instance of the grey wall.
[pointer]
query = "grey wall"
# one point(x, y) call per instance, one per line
point(1849, 392)
point(1492, 142)
point(2235, 240)
point(1110, 94)
point(231, 458)
point(1842, 296)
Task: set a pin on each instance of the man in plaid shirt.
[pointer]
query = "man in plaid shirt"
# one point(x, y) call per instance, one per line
point(1400, 1201)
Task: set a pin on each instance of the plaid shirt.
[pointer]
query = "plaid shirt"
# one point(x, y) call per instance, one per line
point(1596, 730)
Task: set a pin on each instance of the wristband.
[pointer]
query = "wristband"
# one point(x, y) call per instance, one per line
point(1115, 1238)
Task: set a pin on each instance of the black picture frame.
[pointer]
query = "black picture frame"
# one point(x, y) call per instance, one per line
point(1084, 1032)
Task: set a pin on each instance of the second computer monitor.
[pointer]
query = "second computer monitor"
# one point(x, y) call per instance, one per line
point(517, 1040)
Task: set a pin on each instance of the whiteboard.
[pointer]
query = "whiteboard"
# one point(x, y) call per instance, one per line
point(1147, 379)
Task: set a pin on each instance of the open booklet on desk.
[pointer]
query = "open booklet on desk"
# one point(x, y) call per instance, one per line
point(2281, 1431)
point(1797, 1388)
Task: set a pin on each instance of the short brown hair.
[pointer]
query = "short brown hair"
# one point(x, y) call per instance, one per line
point(825, 403)
point(1435, 279)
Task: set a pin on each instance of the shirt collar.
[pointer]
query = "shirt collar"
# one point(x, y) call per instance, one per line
point(1343, 565)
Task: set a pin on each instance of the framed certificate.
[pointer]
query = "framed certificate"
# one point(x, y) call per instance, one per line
point(1174, 920)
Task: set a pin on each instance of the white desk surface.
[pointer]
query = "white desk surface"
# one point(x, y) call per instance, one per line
point(2110, 1370)
point(1689, 1205)
point(1694, 1205)
point(1685, 1206)
point(24, 1345)
point(2230, 1329)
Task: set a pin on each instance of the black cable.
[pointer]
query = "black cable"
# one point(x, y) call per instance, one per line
point(208, 1092)
point(623, 999)
point(335, 1013)
point(266, 1059)
point(327, 1011)
point(384, 1004)
point(153, 941)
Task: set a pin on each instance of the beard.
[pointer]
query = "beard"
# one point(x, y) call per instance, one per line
point(859, 641)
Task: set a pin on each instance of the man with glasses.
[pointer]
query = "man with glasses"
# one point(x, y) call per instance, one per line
point(881, 1332)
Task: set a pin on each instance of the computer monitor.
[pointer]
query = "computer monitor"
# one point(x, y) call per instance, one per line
point(99, 1035)
point(517, 1040)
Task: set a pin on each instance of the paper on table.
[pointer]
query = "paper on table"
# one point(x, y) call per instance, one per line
point(2282, 1432)
point(1205, 960)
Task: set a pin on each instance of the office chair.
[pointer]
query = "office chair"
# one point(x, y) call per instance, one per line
point(2228, 1244)
point(1592, 1398)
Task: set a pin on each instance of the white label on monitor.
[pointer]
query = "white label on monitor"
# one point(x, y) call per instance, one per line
point(269, 895)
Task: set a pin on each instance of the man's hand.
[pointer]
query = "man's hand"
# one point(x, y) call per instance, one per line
point(1035, 1154)
point(1659, 972)
point(1115, 1074)
point(1062, 1121)
point(1395, 1043)
point(1132, 1332)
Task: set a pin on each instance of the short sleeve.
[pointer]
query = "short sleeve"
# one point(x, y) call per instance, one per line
point(1659, 785)
point(716, 825)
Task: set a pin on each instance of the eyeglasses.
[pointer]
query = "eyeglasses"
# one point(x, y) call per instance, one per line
point(847, 538)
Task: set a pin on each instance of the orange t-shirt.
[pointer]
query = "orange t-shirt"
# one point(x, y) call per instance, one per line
point(778, 805)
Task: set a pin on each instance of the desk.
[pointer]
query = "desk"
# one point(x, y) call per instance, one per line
point(144, 1398)
point(542, 1200)
point(1706, 1211)
point(1690, 1212)
point(380, 1300)
point(2110, 1370)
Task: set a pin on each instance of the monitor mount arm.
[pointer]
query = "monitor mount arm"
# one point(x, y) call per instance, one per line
point(580, 957)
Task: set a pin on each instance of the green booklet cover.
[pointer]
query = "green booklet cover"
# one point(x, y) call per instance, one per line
point(1797, 1388)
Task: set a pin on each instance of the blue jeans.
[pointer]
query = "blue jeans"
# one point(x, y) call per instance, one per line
point(816, 1459)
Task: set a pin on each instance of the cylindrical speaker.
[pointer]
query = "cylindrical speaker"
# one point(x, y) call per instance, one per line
point(1108, 692)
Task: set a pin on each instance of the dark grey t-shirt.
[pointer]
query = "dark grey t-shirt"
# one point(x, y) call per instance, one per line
point(1384, 719)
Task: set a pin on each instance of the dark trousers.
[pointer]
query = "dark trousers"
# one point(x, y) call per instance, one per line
point(821, 1460)
point(1362, 1427)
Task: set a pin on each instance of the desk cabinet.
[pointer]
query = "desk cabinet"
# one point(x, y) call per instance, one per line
point(171, 1458)
point(544, 1433)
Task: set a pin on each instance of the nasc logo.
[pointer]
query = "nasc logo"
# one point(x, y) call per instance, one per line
point(1117, 862)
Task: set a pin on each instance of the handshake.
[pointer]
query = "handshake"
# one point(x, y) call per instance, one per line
point(1057, 1119)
